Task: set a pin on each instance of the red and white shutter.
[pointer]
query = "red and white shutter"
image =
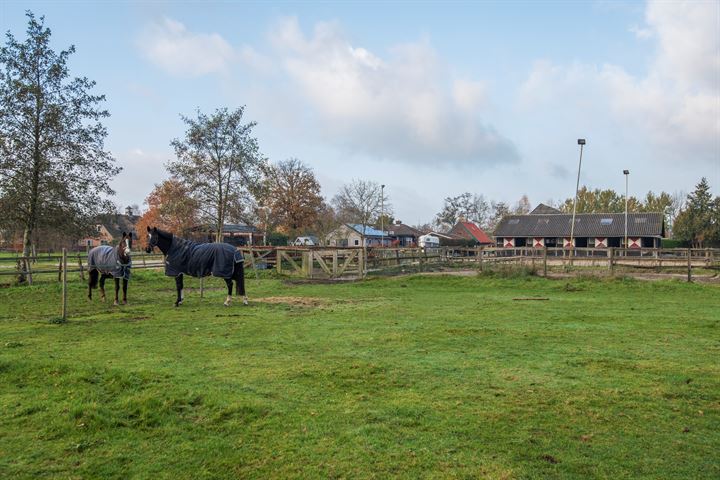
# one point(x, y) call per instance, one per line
point(538, 242)
point(633, 242)
point(601, 242)
point(508, 242)
point(567, 243)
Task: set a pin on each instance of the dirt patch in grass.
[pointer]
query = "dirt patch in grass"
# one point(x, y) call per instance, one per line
point(296, 301)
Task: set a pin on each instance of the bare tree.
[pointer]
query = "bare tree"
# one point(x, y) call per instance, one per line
point(219, 161)
point(467, 206)
point(361, 201)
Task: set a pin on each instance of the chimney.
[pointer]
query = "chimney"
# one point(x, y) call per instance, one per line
point(398, 222)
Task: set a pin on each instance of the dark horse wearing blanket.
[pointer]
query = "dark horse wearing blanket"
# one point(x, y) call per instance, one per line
point(110, 262)
point(199, 260)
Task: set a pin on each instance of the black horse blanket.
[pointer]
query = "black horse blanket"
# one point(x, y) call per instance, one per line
point(201, 259)
point(106, 260)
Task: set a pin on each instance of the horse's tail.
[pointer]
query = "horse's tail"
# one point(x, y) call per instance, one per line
point(239, 274)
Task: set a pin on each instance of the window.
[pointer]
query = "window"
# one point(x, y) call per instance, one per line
point(357, 242)
point(544, 220)
point(514, 221)
point(606, 221)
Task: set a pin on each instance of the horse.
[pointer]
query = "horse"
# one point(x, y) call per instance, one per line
point(110, 262)
point(186, 257)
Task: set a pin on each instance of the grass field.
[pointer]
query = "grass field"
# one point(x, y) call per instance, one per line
point(409, 377)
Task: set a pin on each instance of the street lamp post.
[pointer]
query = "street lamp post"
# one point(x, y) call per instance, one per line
point(382, 215)
point(627, 174)
point(581, 142)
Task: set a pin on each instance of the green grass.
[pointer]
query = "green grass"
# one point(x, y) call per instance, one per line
point(410, 377)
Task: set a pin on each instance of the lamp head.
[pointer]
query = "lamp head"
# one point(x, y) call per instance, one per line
point(581, 141)
point(626, 172)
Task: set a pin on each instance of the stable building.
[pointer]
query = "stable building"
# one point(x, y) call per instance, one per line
point(548, 227)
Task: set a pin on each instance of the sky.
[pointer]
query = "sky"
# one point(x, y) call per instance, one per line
point(432, 99)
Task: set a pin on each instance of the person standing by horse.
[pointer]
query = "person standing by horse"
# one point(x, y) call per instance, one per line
point(199, 260)
point(110, 262)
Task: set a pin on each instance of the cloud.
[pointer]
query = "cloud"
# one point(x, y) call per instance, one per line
point(674, 107)
point(641, 33)
point(402, 106)
point(171, 46)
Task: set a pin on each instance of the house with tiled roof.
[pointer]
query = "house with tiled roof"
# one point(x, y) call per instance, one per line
point(109, 229)
point(470, 232)
point(592, 230)
point(403, 235)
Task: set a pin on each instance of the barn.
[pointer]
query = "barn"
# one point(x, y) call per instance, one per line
point(548, 227)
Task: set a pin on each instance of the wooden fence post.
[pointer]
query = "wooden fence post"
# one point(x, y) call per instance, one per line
point(611, 260)
point(60, 268)
point(544, 261)
point(64, 284)
point(80, 265)
point(278, 261)
point(689, 265)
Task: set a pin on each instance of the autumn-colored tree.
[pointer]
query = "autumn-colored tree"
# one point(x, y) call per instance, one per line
point(171, 208)
point(291, 195)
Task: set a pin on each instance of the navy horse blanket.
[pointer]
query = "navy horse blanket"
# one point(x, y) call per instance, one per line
point(105, 259)
point(201, 259)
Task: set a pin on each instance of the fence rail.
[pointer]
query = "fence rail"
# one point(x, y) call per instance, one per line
point(343, 262)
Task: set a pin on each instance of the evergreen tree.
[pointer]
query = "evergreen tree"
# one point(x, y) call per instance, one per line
point(54, 171)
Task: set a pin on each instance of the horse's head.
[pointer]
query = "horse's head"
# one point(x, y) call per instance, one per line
point(153, 239)
point(158, 238)
point(125, 248)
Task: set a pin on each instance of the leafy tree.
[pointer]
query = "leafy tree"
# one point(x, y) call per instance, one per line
point(220, 164)
point(291, 193)
point(54, 171)
point(467, 206)
point(698, 223)
point(361, 201)
point(171, 207)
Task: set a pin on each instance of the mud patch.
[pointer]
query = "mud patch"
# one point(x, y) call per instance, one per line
point(296, 301)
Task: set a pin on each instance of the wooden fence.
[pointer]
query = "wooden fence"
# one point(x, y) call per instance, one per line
point(353, 262)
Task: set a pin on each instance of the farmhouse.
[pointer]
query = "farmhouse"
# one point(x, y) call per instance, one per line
point(109, 228)
point(352, 235)
point(548, 227)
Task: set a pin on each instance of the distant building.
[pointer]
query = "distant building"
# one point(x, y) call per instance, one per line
point(237, 234)
point(548, 227)
point(109, 228)
point(352, 235)
point(471, 232)
point(403, 235)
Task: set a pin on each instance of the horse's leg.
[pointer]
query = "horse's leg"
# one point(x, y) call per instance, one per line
point(92, 282)
point(103, 277)
point(239, 275)
point(228, 282)
point(179, 285)
point(117, 290)
point(125, 284)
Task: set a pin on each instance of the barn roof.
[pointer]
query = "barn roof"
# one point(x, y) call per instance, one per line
point(586, 225)
point(542, 208)
point(470, 231)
